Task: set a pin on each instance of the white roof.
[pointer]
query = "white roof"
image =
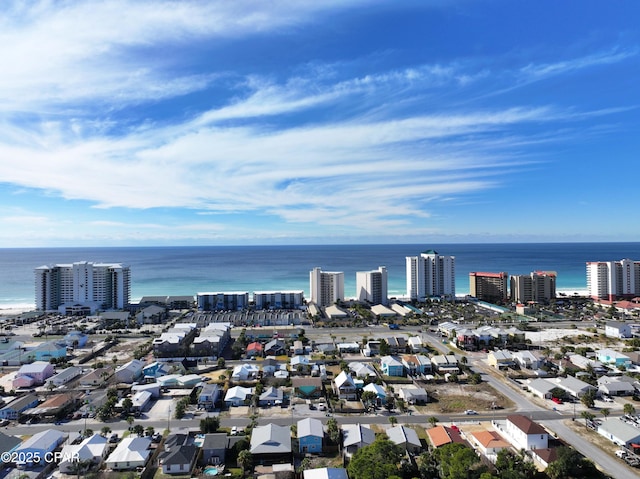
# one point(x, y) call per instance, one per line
point(343, 378)
point(35, 367)
point(238, 392)
point(89, 448)
point(131, 449)
point(376, 389)
point(403, 435)
point(310, 427)
point(325, 473)
point(270, 439)
point(357, 434)
point(45, 440)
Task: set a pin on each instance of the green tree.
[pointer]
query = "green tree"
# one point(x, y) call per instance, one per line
point(245, 460)
point(570, 464)
point(512, 466)
point(589, 398)
point(587, 416)
point(605, 411)
point(457, 461)
point(209, 425)
point(333, 430)
point(385, 350)
point(377, 461)
point(629, 409)
point(127, 405)
point(369, 399)
point(105, 430)
point(138, 429)
point(432, 421)
point(393, 420)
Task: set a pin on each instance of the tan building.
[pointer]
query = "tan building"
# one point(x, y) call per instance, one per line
point(539, 287)
point(490, 287)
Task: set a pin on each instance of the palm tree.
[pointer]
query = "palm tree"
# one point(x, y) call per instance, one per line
point(605, 411)
point(629, 409)
point(433, 421)
point(393, 420)
point(245, 460)
point(105, 430)
point(587, 416)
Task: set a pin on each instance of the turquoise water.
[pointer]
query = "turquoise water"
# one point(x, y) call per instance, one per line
point(187, 270)
point(211, 471)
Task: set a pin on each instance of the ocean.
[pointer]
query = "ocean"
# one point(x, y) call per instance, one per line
point(187, 270)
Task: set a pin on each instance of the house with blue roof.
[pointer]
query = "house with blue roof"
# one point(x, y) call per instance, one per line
point(76, 339)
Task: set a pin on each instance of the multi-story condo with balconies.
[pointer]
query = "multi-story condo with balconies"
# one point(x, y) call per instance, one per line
point(613, 280)
point(538, 286)
point(371, 286)
point(491, 287)
point(231, 301)
point(326, 287)
point(431, 275)
point(92, 286)
point(278, 299)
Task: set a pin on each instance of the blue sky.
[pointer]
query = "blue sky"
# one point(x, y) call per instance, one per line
point(135, 122)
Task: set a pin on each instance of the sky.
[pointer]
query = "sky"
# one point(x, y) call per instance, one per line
point(134, 122)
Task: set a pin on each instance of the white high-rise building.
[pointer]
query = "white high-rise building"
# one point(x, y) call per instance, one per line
point(326, 287)
point(90, 285)
point(431, 275)
point(613, 280)
point(371, 286)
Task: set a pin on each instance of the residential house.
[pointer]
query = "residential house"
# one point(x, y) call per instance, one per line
point(271, 396)
point(445, 364)
point(378, 390)
point(415, 344)
point(362, 370)
point(209, 396)
point(613, 357)
point(65, 376)
point(617, 330)
point(131, 453)
point(238, 396)
point(406, 438)
point(92, 450)
point(397, 345)
point(270, 366)
point(502, 359)
point(413, 395)
point(169, 381)
point(130, 372)
point(38, 371)
point(245, 372)
point(489, 443)
point(214, 448)
point(527, 359)
point(416, 364)
point(254, 349)
point(619, 432)
point(524, 433)
point(344, 387)
point(310, 436)
point(55, 405)
point(541, 388)
point(152, 388)
point(189, 381)
point(40, 445)
point(615, 386)
point(95, 378)
point(442, 435)
point(356, 436)
point(271, 444)
point(276, 347)
point(8, 443)
point(45, 352)
point(141, 401)
point(179, 455)
point(391, 366)
point(76, 339)
point(573, 386)
point(307, 387)
point(300, 364)
point(16, 407)
point(155, 370)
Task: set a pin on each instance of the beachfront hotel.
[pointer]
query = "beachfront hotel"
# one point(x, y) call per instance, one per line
point(371, 286)
point(431, 275)
point(326, 287)
point(82, 287)
point(490, 287)
point(539, 287)
point(613, 280)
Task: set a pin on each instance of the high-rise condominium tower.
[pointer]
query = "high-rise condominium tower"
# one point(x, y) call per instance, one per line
point(539, 286)
point(95, 285)
point(431, 275)
point(613, 280)
point(371, 286)
point(491, 287)
point(326, 287)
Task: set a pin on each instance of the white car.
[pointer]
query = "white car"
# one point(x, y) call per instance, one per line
point(470, 412)
point(607, 399)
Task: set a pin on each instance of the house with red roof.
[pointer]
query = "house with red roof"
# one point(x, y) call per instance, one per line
point(255, 349)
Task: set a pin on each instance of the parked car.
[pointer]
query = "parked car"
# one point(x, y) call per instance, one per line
point(114, 438)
